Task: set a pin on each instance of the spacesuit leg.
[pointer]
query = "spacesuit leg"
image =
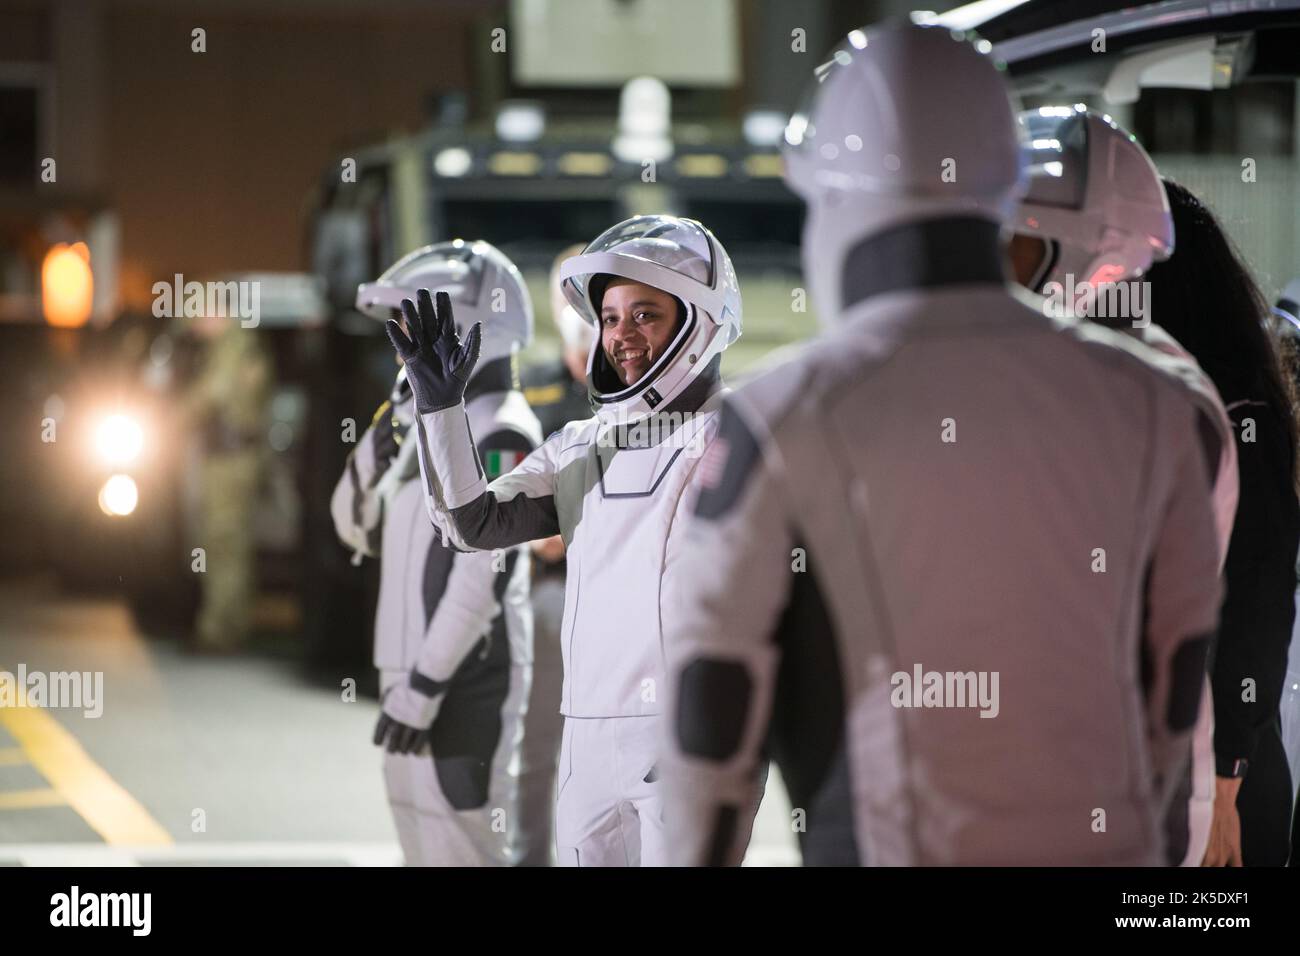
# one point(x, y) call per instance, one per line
point(638, 740)
point(1290, 715)
point(594, 824)
point(512, 775)
point(430, 831)
point(1200, 806)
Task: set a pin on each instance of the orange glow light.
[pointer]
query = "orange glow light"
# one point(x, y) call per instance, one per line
point(67, 285)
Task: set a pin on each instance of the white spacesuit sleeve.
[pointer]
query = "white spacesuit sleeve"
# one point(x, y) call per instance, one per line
point(1183, 593)
point(478, 579)
point(356, 504)
point(517, 507)
point(464, 613)
point(726, 581)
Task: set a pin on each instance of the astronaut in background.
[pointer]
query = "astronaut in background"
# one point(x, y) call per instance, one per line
point(453, 631)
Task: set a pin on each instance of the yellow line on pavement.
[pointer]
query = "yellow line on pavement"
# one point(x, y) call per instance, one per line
point(112, 812)
point(26, 799)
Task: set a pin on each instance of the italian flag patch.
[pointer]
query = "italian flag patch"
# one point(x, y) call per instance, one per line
point(498, 463)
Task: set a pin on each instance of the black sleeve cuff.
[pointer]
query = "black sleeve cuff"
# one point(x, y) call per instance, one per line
point(426, 685)
point(1231, 767)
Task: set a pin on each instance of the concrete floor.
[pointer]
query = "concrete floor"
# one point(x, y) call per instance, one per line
point(198, 761)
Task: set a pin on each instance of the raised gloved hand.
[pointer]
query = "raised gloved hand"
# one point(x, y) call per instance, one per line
point(408, 713)
point(438, 364)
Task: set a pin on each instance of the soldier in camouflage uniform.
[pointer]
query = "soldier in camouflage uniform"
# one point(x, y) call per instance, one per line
point(225, 407)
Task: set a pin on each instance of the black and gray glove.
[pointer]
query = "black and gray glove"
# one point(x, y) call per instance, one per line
point(438, 364)
point(409, 710)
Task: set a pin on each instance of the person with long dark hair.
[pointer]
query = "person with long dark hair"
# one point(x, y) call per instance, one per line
point(1090, 225)
point(1204, 296)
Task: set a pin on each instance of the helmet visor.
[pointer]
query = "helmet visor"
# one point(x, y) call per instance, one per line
point(800, 133)
point(678, 245)
point(452, 267)
point(1056, 154)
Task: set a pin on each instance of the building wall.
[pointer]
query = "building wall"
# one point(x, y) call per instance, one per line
point(213, 157)
point(209, 160)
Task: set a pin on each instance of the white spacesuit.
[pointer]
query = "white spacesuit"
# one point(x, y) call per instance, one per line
point(1096, 202)
point(915, 569)
point(1286, 311)
point(614, 486)
point(453, 632)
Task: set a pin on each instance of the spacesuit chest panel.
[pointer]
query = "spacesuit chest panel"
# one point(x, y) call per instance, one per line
point(633, 472)
point(612, 639)
point(639, 470)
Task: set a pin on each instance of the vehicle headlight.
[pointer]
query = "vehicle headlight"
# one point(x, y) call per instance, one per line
point(119, 496)
point(119, 439)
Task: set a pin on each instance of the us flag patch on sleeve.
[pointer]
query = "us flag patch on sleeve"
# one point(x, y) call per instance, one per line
point(726, 466)
point(497, 463)
point(714, 463)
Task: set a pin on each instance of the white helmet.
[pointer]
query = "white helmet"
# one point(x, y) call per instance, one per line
point(677, 256)
point(905, 123)
point(1094, 196)
point(484, 286)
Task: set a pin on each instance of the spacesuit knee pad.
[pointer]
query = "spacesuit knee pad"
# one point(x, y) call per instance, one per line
point(713, 704)
point(464, 781)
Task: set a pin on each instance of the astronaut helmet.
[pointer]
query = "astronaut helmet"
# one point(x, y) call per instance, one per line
point(676, 256)
point(904, 123)
point(1095, 200)
point(484, 286)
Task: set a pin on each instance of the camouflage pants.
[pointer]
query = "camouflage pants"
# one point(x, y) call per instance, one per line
point(229, 486)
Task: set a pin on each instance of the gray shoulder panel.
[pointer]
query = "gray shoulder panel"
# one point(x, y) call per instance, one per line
point(730, 460)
